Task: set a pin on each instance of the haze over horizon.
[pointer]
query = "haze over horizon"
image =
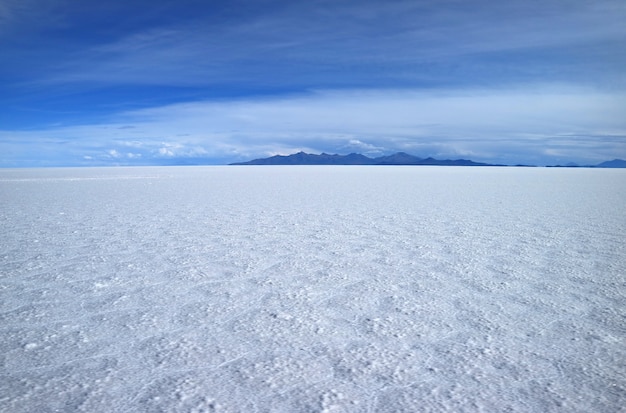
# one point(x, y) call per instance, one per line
point(87, 83)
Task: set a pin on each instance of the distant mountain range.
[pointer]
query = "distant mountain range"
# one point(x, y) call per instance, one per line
point(400, 158)
point(615, 163)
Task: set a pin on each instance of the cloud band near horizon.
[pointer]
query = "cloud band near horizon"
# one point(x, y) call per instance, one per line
point(538, 126)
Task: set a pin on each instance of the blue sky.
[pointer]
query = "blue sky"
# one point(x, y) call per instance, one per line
point(156, 82)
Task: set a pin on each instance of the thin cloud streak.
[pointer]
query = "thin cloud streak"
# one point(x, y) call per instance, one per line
point(304, 40)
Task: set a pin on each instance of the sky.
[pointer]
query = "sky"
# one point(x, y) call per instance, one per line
point(166, 82)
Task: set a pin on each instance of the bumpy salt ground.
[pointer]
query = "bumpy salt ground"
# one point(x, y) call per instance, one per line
point(313, 289)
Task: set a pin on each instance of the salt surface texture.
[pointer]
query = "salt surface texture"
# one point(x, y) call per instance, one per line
point(313, 289)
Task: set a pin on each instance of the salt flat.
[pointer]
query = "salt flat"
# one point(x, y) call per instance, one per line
point(313, 289)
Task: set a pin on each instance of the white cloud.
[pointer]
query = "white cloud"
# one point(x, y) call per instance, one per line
point(113, 153)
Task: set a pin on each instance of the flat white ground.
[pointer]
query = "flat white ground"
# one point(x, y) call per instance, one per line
point(313, 289)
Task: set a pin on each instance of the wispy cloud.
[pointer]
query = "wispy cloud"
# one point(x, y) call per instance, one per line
point(322, 43)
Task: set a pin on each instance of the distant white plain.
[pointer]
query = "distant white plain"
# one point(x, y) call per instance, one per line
point(313, 289)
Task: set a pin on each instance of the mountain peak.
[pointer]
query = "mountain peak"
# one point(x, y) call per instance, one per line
point(615, 163)
point(400, 158)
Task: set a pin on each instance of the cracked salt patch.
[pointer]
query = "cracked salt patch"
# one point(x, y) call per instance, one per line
point(313, 289)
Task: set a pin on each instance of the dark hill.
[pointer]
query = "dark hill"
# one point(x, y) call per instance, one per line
point(302, 158)
point(400, 158)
